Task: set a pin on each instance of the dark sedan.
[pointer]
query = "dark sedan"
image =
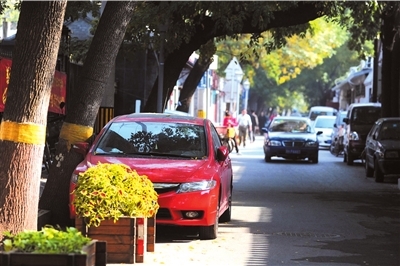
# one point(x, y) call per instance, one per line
point(291, 138)
point(382, 149)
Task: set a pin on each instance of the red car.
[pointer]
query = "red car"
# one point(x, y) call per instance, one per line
point(182, 156)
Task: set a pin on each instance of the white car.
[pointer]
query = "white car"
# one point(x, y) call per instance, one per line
point(324, 123)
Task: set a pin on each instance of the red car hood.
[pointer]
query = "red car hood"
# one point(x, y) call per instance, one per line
point(158, 169)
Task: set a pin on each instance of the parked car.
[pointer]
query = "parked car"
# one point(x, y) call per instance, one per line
point(175, 112)
point(335, 130)
point(291, 138)
point(382, 149)
point(316, 111)
point(324, 123)
point(182, 156)
point(359, 121)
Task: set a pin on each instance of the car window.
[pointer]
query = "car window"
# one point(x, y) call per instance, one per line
point(325, 122)
point(365, 115)
point(390, 130)
point(373, 130)
point(339, 118)
point(216, 139)
point(282, 125)
point(314, 114)
point(153, 138)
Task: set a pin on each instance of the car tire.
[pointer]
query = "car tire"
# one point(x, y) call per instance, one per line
point(209, 232)
point(332, 149)
point(349, 159)
point(314, 159)
point(231, 145)
point(378, 174)
point(369, 172)
point(227, 215)
point(267, 159)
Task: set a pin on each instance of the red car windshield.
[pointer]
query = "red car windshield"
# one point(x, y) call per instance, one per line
point(153, 138)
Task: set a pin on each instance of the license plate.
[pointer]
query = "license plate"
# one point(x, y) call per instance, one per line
point(293, 151)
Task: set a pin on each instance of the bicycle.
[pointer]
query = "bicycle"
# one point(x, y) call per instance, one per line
point(53, 129)
point(228, 142)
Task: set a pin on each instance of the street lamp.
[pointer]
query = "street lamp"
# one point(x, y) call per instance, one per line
point(246, 87)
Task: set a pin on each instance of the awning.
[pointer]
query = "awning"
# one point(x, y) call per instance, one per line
point(357, 78)
point(344, 85)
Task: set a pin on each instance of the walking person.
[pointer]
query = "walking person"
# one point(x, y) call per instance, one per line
point(262, 120)
point(254, 124)
point(230, 122)
point(339, 141)
point(245, 127)
point(231, 135)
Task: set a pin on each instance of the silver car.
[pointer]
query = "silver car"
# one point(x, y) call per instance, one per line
point(382, 149)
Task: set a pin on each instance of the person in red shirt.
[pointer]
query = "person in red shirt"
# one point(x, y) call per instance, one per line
point(229, 119)
point(230, 122)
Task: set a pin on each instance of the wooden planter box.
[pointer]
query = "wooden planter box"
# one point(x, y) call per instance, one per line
point(120, 237)
point(95, 256)
point(151, 234)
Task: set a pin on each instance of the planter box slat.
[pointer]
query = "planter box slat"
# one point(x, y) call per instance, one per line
point(111, 229)
point(29, 259)
point(120, 248)
point(112, 239)
point(151, 234)
point(120, 237)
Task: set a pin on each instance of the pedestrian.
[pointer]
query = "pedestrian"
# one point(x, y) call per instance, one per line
point(273, 115)
point(262, 120)
point(229, 119)
point(231, 135)
point(230, 122)
point(254, 125)
point(339, 141)
point(245, 127)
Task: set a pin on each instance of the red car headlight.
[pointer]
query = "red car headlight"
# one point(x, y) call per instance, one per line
point(197, 186)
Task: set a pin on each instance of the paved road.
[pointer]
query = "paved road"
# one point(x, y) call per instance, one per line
point(295, 213)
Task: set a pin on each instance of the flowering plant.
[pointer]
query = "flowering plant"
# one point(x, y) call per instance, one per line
point(48, 240)
point(111, 191)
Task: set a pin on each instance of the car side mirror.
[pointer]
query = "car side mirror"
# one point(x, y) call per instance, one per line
point(346, 120)
point(334, 125)
point(319, 133)
point(264, 129)
point(81, 148)
point(222, 153)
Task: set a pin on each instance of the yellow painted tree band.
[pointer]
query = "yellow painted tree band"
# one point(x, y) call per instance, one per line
point(28, 133)
point(73, 133)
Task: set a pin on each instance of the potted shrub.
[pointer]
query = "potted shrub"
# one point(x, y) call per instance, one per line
point(107, 200)
point(50, 246)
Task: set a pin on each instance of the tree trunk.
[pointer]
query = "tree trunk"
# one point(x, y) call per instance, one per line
point(23, 128)
point(173, 67)
point(191, 82)
point(395, 75)
point(78, 125)
point(387, 57)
